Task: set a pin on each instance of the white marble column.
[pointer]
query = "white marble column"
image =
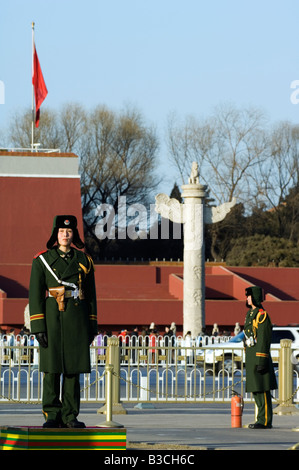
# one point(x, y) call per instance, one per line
point(194, 215)
point(194, 259)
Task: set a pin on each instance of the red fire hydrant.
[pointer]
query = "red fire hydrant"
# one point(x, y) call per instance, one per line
point(237, 406)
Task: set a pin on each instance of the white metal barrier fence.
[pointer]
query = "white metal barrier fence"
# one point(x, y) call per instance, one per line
point(203, 370)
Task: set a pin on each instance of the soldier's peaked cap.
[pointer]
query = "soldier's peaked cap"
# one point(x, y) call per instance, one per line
point(257, 294)
point(65, 221)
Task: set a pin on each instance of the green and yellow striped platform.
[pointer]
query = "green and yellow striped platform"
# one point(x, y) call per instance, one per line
point(38, 438)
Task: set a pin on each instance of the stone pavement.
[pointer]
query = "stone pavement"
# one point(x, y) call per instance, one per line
point(176, 426)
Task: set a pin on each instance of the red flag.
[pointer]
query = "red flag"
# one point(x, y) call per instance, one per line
point(40, 89)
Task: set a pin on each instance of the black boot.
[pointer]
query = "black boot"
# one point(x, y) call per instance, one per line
point(75, 424)
point(259, 426)
point(51, 423)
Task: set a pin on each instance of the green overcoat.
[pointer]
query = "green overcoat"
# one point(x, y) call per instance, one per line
point(258, 327)
point(69, 332)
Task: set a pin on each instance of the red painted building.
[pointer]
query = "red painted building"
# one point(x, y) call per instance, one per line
point(35, 187)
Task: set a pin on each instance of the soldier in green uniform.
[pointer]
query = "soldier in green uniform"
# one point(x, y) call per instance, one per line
point(260, 377)
point(63, 316)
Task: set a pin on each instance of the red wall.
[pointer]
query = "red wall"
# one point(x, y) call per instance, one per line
point(281, 282)
point(137, 295)
point(27, 209)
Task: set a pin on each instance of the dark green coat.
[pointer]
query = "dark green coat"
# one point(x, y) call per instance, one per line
point(258, 326)
point(69, 332)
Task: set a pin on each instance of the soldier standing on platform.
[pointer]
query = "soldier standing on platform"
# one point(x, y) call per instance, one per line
point(63, 316)
point(260, 377)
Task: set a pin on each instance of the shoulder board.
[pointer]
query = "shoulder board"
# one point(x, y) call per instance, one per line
point(40, 253)
point(90, 264)
point(90, 260)
point(261, 316)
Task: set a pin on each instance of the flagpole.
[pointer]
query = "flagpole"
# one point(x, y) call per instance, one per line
point(32, 123)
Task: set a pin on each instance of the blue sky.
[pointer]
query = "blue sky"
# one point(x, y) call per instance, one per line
point(186, 56)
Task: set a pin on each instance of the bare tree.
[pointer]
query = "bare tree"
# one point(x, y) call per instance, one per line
point(72, 125)
point(226, 146)
point(47, 135)
point(61, 129)
point(119, 160)
point(240, 144)
point(279, 172)
point(278, 175)
point(189, 141)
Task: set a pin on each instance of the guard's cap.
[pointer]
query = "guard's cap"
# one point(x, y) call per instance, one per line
point(65, 221)
point(257, 294)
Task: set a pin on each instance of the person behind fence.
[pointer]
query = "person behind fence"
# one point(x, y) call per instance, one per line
point(153, 340)
point(215, 331)
point(187, 344)
point(260, 377)
point(11, 342)
point(169, 342)
point(237, 329)
point(63, 317)
point(100, 342)
point(169, 338)
point(134, 342)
